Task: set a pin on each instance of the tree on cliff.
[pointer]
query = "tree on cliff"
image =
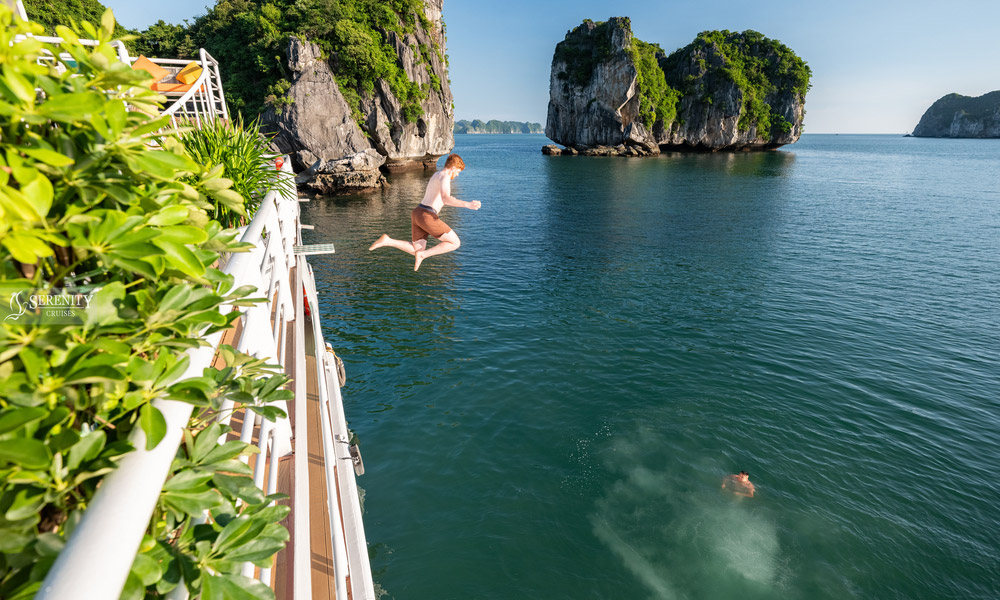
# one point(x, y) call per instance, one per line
point(250, 38)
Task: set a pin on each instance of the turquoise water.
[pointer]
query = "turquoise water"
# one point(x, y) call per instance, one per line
point(549, 411)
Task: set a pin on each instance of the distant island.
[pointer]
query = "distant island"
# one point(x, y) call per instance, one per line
point(494, 126)
point(957, 116)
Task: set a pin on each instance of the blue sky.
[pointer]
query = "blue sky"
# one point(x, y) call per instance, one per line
point(877, 64)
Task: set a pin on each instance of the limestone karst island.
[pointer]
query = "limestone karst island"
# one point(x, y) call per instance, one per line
point(957, 116)
point(611, 93)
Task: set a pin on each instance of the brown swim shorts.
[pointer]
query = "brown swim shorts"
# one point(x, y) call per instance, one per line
point(424, 222)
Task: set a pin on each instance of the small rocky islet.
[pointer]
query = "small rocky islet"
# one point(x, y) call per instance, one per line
point(613, 94)
point(957, 116)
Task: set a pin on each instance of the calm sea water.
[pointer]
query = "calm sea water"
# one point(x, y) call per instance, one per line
point(549, 411)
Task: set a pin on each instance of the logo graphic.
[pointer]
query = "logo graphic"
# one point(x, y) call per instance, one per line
point(56, 306)
point(16, 306)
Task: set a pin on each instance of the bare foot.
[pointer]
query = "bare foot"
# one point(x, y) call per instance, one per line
point(420, 256)
point(379, 242)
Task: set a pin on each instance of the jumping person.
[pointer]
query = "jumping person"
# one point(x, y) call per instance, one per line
point(424, 219)
point(739, 484)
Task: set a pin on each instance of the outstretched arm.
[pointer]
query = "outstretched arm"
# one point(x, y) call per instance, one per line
point(450, 200)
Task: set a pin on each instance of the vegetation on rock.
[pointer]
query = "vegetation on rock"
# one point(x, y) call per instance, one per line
point(250, 37)
point(657, 100)
point(50, 13)
point(759, 66)
point(583, 49)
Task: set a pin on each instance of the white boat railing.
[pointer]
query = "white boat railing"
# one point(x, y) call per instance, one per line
point(204, 100)
point(99, 554)
point(348, 535)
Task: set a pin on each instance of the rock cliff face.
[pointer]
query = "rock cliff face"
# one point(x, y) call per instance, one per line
point(320, 126)
point(612, 94)
point(317, 125)
point(956, 116)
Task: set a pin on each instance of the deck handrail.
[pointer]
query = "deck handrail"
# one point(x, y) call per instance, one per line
point(205, 99)
point(99, 554)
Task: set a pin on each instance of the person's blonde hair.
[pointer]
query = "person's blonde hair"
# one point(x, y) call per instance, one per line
point(456, 161)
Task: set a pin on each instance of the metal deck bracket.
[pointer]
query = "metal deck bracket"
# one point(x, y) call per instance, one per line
point(313, 249)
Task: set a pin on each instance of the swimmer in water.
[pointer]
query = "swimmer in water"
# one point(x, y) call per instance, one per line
point(424, 220)
point(739, 484)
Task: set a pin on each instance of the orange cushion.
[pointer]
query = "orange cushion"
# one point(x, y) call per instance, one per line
point(150, 67)
point(190, 73)
point(170, 86)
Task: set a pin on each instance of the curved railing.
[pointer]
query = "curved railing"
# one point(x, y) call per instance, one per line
point(100, 552)
point(204, 100)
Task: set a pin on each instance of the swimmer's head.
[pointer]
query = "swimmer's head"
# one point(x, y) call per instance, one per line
point(454, 161)
point(744, 475)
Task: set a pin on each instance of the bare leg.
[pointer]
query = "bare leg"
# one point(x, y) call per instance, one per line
point(408, 247)
point(448, 242)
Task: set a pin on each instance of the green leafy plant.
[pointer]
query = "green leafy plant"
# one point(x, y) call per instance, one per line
point(247, 163)
point(96, 199)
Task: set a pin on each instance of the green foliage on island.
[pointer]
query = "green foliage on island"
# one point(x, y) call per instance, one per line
point(589, 44)
point(250, 38)
point(495, 126)
point(583, 49)
point(657, 100)
point(759, 66)
point(50, 13)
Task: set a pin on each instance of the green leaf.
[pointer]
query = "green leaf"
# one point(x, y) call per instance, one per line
point(87, 449)
point(49, 544)
point(180, 257)
point(25, 247)
point(166, 164)
point(116, 116)
point(134, 589)
point(193, 504)
point(147, 569)
point(19, 87)
point(108, 26)
point(236, 533)
point(207, 439)
point(12, 418)
point(273, 514)
point(272, 413)
point(169, 215)
point(27, 501)
point(187, 481)
point(29, 453)
point(258, 549)
point(233, 587)
point(48, 157)
point(153, 425)
point(230, 449)
point(71, 107)
point(39, 194)
point(103, 309)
